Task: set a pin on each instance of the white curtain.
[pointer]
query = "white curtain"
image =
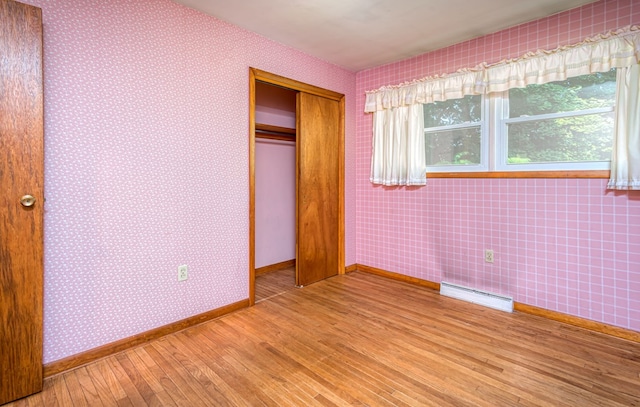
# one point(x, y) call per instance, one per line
point(625, 160)
point(618, 49)
point(398, 154)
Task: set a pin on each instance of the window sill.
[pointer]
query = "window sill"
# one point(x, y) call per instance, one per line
point(522, 174)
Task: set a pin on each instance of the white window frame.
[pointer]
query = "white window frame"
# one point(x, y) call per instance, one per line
point(484, 142)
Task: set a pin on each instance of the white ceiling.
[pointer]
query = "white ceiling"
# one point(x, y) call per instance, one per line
point(361, 34)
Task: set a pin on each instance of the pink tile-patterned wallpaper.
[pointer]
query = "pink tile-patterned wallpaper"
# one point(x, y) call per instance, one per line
point(566, 245)
point(146, 166)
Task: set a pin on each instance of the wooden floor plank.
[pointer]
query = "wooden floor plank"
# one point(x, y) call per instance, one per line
point(431, 350)
point(268, 334)
point(132, 395)
point(210, 371)
point(169, 393)
point(102, 373)
point(38, 400)
point(209, 392)
point(361, 339)
point(275, 283)
point(75, 390)
point(88, 388)
point(235, 376)
point(146, 384)
point(252, 357)
point(100, 383)
point(60, 390)
point(176, 372)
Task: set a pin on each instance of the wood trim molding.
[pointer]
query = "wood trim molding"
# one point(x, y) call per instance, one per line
point(341, 205)
point(275, 267)
point(351, 268)
point(398, 277)
point(74, 361)
point(579, 322)
point(522, 174)
point(278, 80)
point(524, 308)
point(252, 187)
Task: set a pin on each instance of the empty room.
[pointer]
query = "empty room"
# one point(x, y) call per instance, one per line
point(320, 203)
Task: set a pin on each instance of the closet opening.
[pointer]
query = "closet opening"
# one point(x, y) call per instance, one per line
point(296, 183)
point(275, 190)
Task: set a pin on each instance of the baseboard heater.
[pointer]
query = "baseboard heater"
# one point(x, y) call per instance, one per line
point(479, 297)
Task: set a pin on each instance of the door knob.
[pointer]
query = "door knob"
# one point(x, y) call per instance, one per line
point(27, 200)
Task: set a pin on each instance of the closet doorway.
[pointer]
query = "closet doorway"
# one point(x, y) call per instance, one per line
point(275, 190)
point(313, 150)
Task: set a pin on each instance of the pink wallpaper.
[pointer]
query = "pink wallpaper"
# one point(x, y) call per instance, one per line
point(565, 245)
point(146, 167)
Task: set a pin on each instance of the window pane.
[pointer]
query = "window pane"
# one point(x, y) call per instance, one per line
point(455, 111)
point(579, 93)
point(454, 147)
point(567, 139)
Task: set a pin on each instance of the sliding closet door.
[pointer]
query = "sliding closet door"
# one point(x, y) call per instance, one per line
point(318, 181)
point(21, 200)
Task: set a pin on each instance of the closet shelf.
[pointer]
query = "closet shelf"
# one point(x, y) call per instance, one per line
point(275, 132)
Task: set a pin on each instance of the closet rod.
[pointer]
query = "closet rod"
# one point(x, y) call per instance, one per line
point(275, 129)
point(266, 136)
point(275, 132)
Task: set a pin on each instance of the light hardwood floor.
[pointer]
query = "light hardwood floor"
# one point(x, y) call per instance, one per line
point(361, 340)
point(275, 283)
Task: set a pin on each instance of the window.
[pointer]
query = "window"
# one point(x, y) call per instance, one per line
point(555, 126)
point(456, 135)
point(559, 125)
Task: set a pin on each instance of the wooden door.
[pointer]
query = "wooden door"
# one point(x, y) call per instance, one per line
point(21, 176)
point(318, 188)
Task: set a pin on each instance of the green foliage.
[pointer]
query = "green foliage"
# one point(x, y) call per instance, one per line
point(454, 147)
point(455, 111)
point(583, 92)
point(569, 139)
point(518, 160)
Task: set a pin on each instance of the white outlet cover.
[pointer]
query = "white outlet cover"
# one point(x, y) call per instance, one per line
point(182, 272)
point(488, 256)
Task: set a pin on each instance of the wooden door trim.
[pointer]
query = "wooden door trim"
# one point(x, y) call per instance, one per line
point(292, 84)
point(297, 206)
point(277, 80)
point(252, 187)
point(341, 222)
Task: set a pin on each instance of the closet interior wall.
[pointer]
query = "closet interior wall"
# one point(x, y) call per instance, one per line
point(275, 179)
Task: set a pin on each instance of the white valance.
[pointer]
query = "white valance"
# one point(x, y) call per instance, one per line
point(616, 49)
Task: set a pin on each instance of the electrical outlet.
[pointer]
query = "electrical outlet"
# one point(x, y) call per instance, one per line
point(488, 255)
point(182, 272)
